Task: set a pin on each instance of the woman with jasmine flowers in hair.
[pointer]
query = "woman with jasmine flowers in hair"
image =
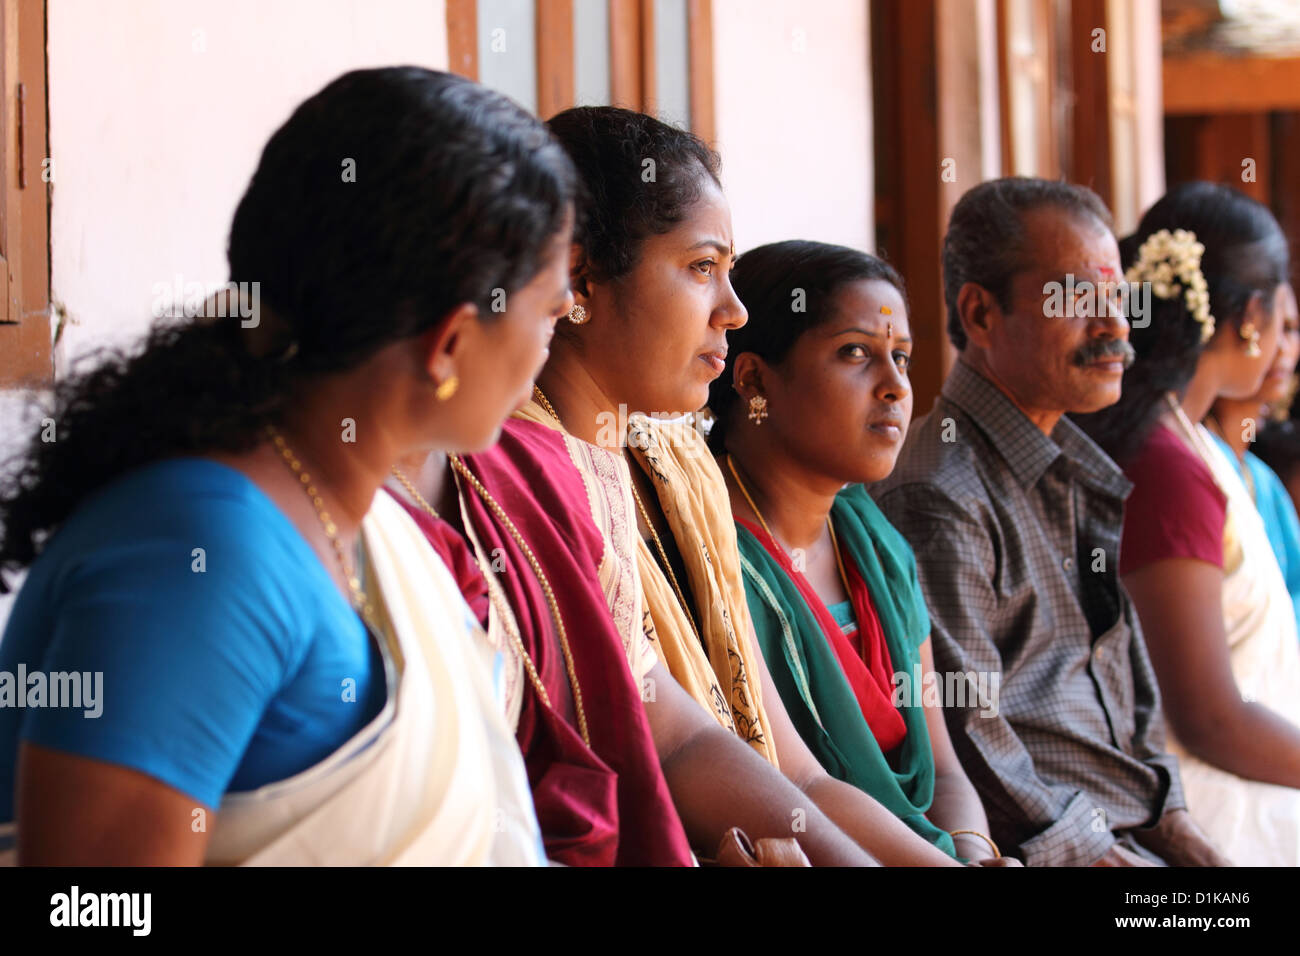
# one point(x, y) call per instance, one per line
point(1195, 557)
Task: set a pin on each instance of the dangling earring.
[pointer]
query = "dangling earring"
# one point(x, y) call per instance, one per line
point(757, 409)
point(578, 315)
point(447, 388)
point(1250, 335)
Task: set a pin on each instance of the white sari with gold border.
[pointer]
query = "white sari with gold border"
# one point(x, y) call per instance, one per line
point(1253, 823)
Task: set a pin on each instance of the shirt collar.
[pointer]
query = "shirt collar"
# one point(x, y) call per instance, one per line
point(1028, 452)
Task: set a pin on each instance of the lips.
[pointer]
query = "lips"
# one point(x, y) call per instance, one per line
point(891, 428)
point(716, 360)
point(1112, 364)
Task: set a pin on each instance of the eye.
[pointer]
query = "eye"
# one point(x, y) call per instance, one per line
point(854, 351)
point(705, 266)
point(902, 360)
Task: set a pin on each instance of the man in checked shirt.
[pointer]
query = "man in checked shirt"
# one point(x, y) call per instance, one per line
point(1015, 518)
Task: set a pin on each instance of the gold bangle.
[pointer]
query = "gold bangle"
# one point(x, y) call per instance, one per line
point(993, 846)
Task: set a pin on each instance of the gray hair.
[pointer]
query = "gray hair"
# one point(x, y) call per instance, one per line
point(985, 242)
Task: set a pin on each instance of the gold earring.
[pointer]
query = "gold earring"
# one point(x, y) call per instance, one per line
point(448, 388)
point(1250, 335)
point(578, 315)
point(757, 409)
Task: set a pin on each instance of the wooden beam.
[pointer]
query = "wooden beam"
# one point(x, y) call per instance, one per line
point(1208, 82)
point(699, 25)
point(1004, 89)
point(1089, 160)
point(625, 53)
point(554, 56)
point(462, 37)
point(1221, 143)
point(26, 349)
point(649, 81)
point(907, 154)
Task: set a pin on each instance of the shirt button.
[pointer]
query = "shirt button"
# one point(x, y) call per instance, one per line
point(1100, 652)
point(1068, 564)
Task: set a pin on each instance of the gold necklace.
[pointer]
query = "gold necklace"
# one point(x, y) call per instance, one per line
point(360, 602)
point(503, 610)
point(835, 546)
point(645, 515)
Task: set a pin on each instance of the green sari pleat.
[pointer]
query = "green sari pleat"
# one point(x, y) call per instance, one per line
point(808, 676)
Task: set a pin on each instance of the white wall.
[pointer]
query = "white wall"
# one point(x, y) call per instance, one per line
point(793, 100)
point(158, 113)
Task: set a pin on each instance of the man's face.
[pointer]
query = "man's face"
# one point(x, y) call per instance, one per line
point(1060, 346)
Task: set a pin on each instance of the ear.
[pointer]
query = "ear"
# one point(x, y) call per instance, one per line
point(980, 313)
point(748, 375)
point(1258, 310)
point(442, 346)
point(579, 275)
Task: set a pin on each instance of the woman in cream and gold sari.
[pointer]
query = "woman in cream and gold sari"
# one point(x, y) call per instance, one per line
point(290, 674)
point(629, 370)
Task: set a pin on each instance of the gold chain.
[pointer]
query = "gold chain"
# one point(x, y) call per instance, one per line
point(659, 545)
point(499, 600)
point(541, 397)
point(360, 602)
point(835, 545)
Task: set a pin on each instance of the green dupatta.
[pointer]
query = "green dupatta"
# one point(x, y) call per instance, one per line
point(809, 678)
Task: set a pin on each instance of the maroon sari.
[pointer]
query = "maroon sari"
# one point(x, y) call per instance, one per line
point(607, 804)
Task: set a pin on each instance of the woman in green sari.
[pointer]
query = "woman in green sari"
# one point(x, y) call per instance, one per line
point(816, 403)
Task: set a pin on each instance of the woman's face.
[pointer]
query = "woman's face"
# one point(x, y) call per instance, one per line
point(840, 401)
point(504, 352)
point(656, 337)
point(1277, 379)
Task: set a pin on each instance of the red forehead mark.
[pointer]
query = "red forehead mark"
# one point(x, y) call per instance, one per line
point(1106, 271)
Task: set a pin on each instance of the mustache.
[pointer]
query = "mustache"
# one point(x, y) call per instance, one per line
point(1106, 348)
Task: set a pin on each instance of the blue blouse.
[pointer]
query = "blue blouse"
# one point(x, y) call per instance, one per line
point(224, 656)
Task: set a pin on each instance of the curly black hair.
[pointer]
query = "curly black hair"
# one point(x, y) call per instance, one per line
point(1245, 253)
point(455, 192)
point(764, 279)
point(639, 177)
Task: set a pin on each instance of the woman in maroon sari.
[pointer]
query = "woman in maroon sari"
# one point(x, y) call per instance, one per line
point(581, 724)
point(549, 567)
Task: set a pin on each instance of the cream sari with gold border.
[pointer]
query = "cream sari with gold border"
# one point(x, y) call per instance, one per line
point(1253, 823)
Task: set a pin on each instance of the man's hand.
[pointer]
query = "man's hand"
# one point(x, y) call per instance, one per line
point(1178, 841)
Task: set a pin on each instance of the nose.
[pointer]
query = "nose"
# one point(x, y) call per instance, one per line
point(1112, 323)
point(730, 312)
point(893, 386)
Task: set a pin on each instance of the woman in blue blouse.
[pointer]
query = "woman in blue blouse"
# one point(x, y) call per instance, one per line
point(1235, 426)
point(192, 533)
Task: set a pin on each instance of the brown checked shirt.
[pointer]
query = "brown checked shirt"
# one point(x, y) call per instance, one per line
point(1017, 545)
